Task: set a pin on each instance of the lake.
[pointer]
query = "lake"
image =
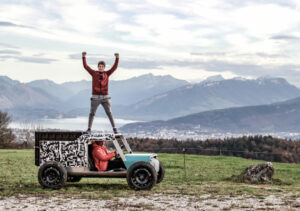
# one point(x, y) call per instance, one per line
point(78, 123)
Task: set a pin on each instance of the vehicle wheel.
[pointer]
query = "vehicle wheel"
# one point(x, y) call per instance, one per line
point(73, 179)
point(52, 175)
point(161, 173)
point(141, 176)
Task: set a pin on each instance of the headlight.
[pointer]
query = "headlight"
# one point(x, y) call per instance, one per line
point(155, 163)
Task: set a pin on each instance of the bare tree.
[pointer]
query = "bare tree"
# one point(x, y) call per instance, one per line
point(6, 135)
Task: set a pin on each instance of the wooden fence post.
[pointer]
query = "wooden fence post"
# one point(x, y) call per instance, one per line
point(183, 150)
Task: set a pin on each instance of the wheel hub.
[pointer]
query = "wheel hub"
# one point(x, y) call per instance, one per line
point(51, 175)
point(142, 176)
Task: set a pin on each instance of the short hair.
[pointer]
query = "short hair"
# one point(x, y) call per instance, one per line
point(101, 62)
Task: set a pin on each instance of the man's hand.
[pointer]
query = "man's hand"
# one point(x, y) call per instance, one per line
point(83, 54)
point(117, 55)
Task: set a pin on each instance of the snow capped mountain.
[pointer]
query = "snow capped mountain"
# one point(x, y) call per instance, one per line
point(214, 78)
point(211, 95)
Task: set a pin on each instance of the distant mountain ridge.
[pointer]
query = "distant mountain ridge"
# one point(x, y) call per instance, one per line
point(276, 117)
point(68, 97)
point(159, 97)
point(213, 78)
point(77, 86)
point(52, 88)
point(14, 94)
point(130, 91)
point(210, 95)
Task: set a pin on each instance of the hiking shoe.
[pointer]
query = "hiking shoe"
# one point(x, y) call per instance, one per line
point(115, 130)
point(88, 131)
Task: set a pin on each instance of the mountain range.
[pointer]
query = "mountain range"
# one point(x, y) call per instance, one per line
point(276, 117)
point(131, 91)
point(150, 97)
point(73, 98)
point(210, 95)
point(15, 94)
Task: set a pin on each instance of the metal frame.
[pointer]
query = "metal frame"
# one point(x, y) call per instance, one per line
point(123, 139)
point(119, 150)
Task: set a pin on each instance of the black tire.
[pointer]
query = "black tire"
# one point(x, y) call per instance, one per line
point(52, 175)
point(161, 173)
point(141, 176)
point(73, 179)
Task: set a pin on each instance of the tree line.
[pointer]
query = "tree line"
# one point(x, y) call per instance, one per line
point(251, 147)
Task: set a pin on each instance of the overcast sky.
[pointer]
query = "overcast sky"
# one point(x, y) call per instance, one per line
point(190, 39)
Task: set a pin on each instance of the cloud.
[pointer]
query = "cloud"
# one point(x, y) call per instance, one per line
point(35, 59)
point(10, 52)
point(239, 55)
point(267, 55)
point(245, 37)
point(28, 59)
point(92, 57)
point(262, 19)
point(285, 37)
point(20, 15)
point(133, 63)
point(4, 57)
point(17, 55)
point(5, 45)
point(81, 16)
point(214, 64)
point(10, 24)
point(164, 30)
point(209, 53)
point(140, 64)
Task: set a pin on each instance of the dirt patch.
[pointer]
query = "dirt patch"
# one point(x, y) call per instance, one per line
point(153, 202)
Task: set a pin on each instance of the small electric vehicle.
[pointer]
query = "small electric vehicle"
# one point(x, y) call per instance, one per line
point(67, 157)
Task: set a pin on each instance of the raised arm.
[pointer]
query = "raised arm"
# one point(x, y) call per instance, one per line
point(85, 64)
point(115, 66)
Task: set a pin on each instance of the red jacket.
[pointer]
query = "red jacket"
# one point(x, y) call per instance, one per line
point(100, 85)
point(101, 156)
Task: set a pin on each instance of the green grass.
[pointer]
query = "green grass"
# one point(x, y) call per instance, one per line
point(204, 174)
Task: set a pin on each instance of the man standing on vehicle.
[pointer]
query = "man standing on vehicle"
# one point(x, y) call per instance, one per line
point(100, 90)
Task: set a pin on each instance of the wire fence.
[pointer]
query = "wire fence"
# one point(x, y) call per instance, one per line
point(185, 149)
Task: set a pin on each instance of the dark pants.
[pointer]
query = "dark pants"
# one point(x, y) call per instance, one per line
point(115, 164)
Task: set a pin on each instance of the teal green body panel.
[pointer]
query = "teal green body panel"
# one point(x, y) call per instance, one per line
point(133, 158)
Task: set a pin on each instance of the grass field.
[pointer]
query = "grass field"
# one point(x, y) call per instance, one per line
point(204, 174)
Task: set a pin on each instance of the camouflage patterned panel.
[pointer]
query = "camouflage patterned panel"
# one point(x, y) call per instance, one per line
point(49, 151)
point(70, 153)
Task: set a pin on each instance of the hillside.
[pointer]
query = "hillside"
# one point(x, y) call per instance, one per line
point(146, 97)
point(277, 117)
point(210, 95)
point(52, 88)
point(16, 94)
point(130, 91)
point(44, 98)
